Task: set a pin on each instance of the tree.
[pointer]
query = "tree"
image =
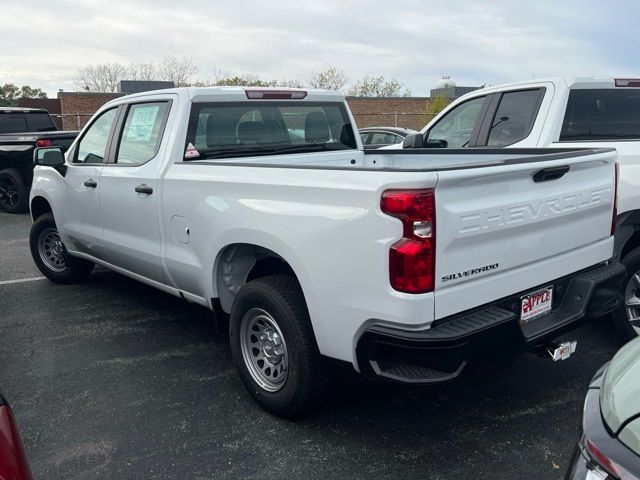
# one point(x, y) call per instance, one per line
point(378, 87)
point(247, 80)
point(289, 83)
point(101, 77)
point(141, 71)
point(330, 79)
point(10, 94)
point(436, 104)
point(177, 71)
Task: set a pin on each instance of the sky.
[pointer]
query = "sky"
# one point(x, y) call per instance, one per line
point(44, 42)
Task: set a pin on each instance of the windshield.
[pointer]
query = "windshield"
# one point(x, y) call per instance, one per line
point(227, 130)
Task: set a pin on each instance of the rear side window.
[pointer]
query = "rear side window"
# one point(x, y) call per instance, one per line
point(602, 114)
point(243, 129)
point(40, 122)
point(13, 123)
point(514, 117)
point(142, 133)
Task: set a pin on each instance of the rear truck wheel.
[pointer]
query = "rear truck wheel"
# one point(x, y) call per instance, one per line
point(14, 196)
point(627, 317)
point(274, 348)
point(50, 255)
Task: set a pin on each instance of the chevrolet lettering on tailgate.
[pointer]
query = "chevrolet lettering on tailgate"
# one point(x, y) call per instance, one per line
point(534, 211)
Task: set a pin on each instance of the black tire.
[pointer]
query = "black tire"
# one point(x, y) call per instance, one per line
point(631, 261)
point(69, 269)
point(14, 195)
point(282, 298)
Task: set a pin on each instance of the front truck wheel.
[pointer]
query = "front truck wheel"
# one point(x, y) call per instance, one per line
point(274, 348)
point(627, 317)
point(50, 255)
point(14, 196)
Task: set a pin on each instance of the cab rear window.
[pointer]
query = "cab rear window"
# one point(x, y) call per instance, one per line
point(602, 114)
point(245, 129)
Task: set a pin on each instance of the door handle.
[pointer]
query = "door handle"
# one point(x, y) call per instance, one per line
point(552, 173)
point(144, 189)
point(91, 183)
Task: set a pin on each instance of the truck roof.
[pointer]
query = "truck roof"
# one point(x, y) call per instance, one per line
point(570, 82)
point(235, 93)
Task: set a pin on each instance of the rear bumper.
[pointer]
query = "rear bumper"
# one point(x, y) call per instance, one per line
point(442, 352)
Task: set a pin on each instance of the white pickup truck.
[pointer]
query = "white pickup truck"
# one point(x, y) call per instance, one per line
point(568, 113)
point(262, 205)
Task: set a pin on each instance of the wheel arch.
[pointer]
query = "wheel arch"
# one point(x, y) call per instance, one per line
point(627, 236)
point(238, 263)
point(39, 206)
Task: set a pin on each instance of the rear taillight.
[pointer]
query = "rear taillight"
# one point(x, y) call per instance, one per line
point(614, 218)
point(43, 142)
point(412, 259)
point(605, 463)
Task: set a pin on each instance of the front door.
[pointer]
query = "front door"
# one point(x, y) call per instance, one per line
point(129, 195)
point(79, 221)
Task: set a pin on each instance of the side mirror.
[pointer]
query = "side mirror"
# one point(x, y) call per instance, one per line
point(415, 140)
point(48, 156)
point(436, 144)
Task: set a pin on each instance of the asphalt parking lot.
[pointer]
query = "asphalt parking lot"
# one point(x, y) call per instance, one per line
point(113, 379)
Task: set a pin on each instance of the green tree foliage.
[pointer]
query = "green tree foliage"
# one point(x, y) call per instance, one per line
point(330, 79)
point(243, 81)
point(378, 87)
point(10, 94)
point(436, 104)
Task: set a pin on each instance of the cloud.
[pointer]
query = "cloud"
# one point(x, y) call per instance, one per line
point(45, 42)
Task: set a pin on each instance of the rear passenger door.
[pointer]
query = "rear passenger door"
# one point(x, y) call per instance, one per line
point(129, 195)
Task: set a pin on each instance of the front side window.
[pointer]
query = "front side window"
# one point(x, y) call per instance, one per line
point(142, 133)
point(602, 114)
point(514, 117)
point(241, 129)
point(93, 145)
point(455, 128)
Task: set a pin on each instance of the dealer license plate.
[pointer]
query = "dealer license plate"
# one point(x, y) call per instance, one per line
point(535, 304)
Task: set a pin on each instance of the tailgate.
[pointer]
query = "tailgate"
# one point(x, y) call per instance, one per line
point(499, 231)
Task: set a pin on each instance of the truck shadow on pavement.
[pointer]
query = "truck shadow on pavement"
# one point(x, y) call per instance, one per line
point(138, 378)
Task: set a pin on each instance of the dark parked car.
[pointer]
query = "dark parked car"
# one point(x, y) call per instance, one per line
point(376, 137)
point(610, 443)
point(13, 461)
point(21, 131)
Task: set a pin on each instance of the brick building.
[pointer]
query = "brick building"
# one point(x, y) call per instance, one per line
point(78, 107)
point(407, 112)
point(72, 110)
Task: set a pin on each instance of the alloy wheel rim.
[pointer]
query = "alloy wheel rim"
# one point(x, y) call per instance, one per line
point(264, 349)
point(8, 192)
point(51, 249)
point(632, 301)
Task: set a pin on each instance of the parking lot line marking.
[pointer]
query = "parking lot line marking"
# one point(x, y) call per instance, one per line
point(20, 280)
